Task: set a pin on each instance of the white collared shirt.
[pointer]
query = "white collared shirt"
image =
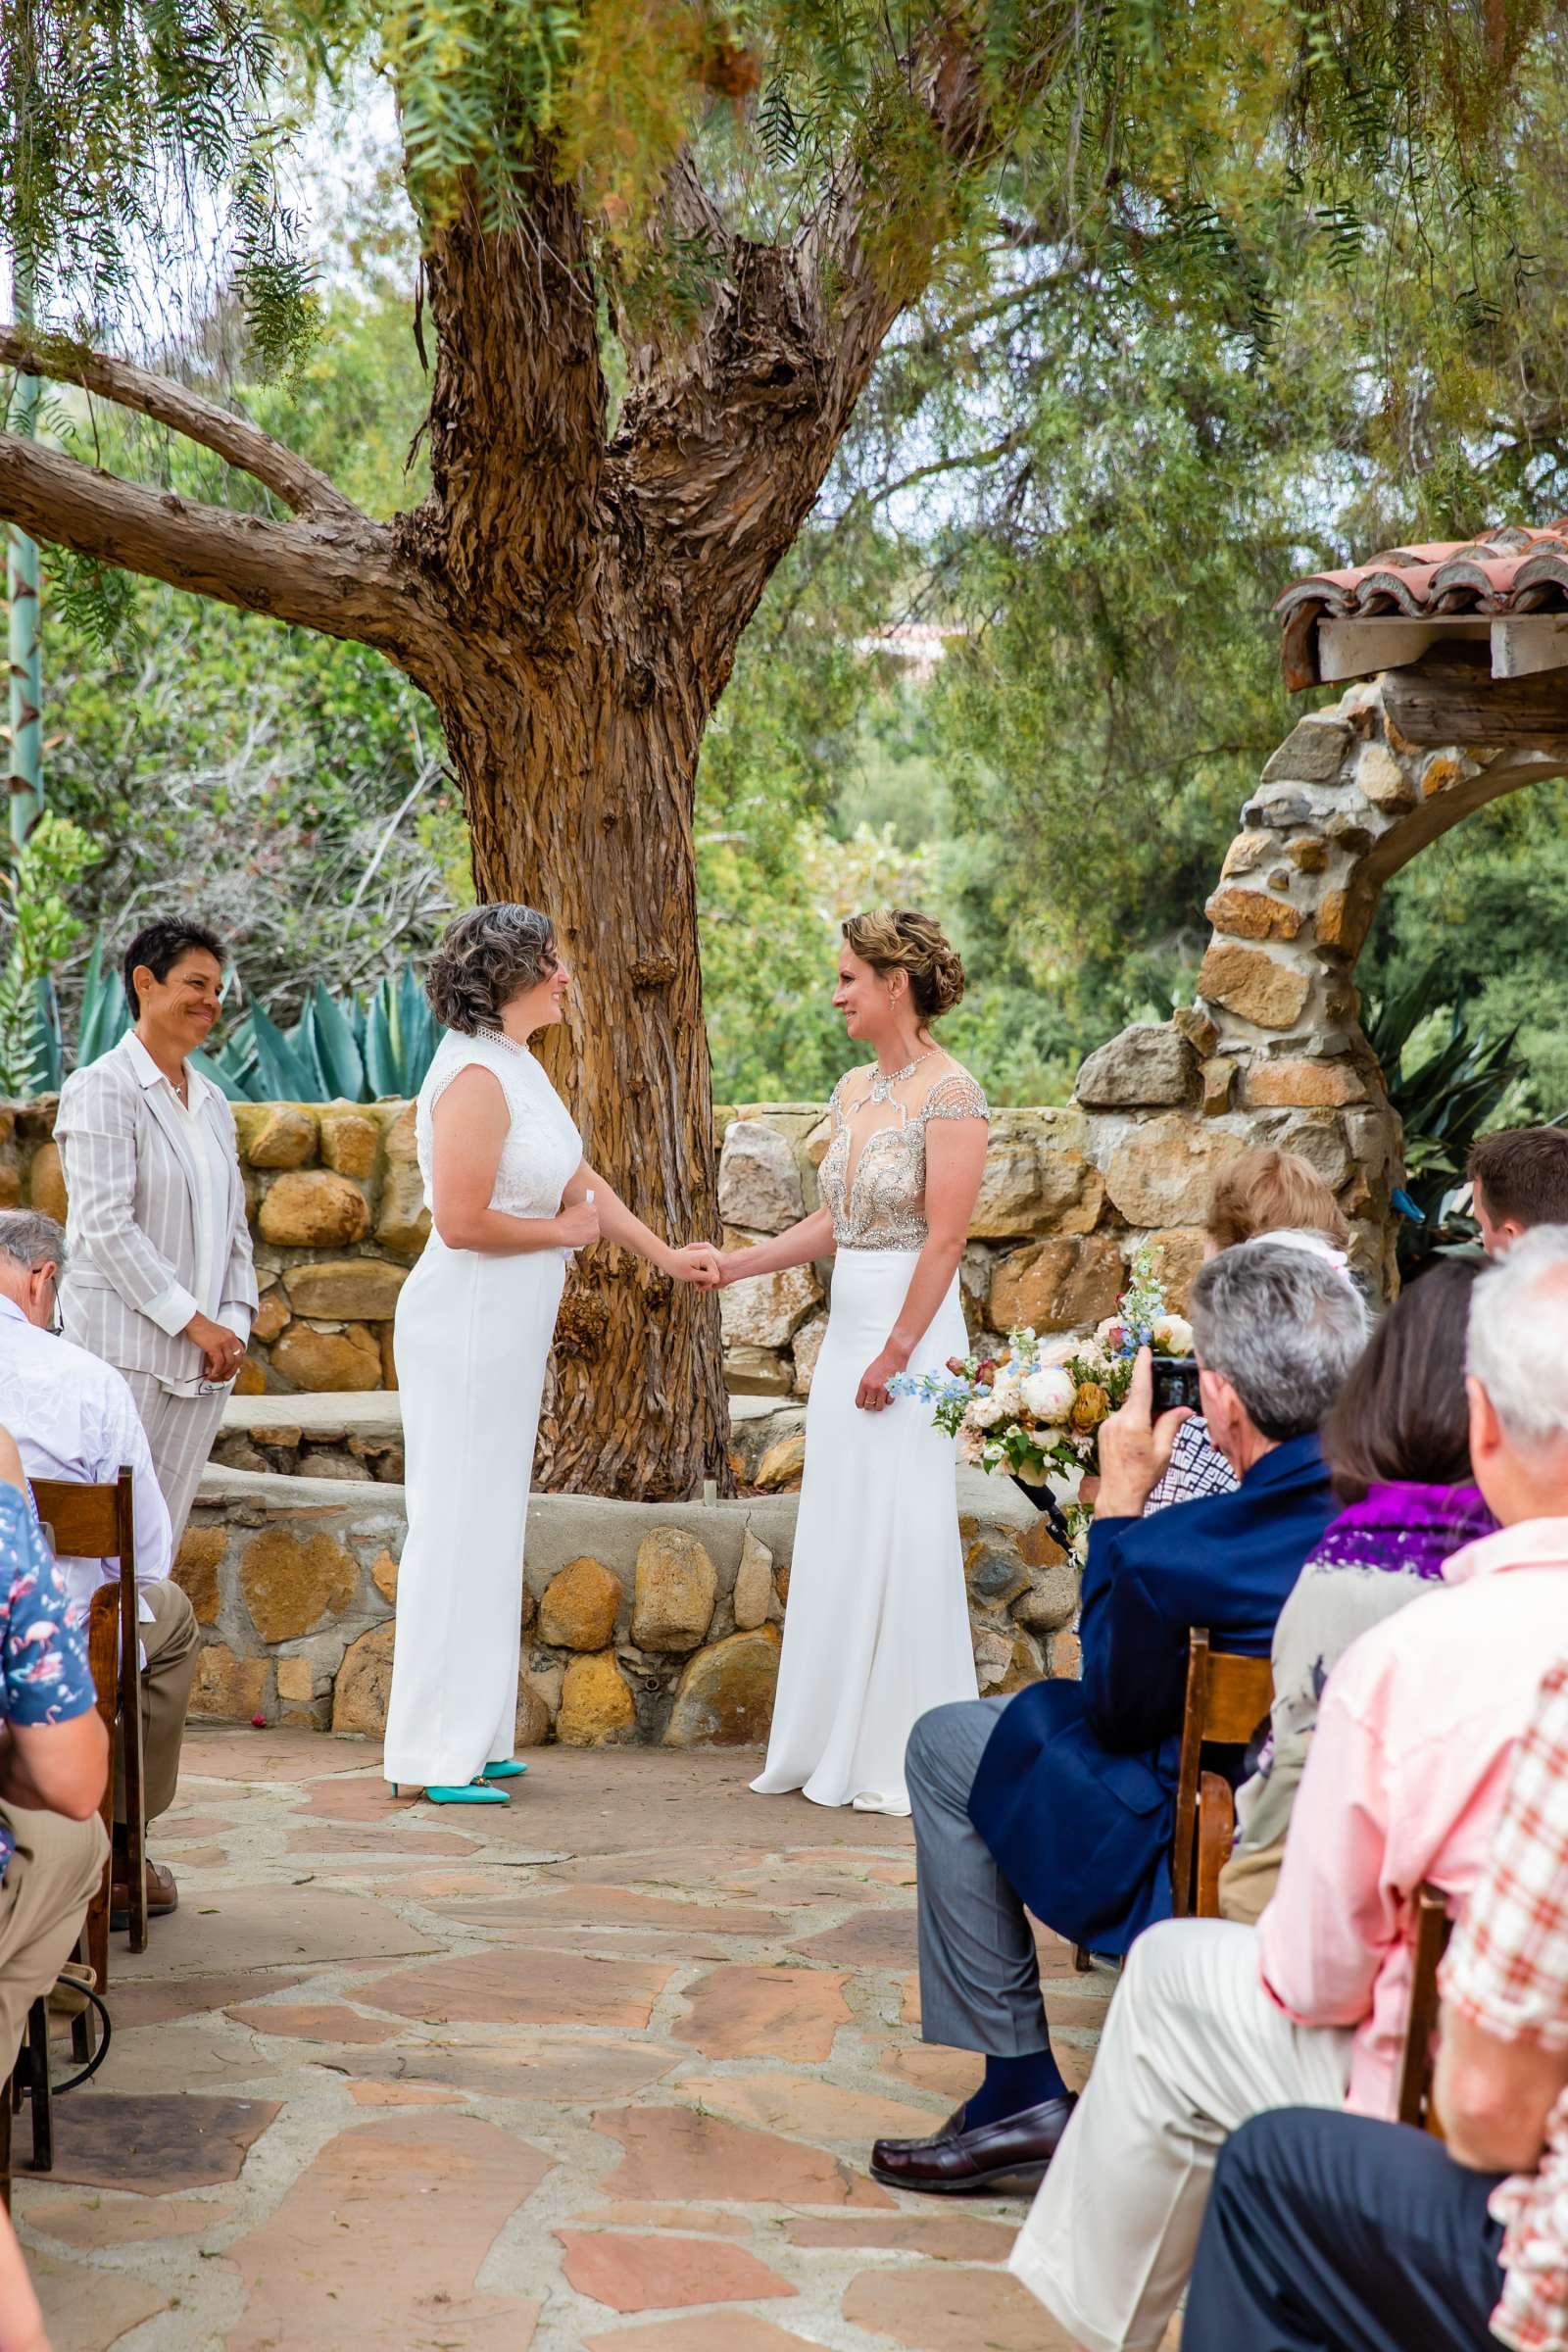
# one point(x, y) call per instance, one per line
point(210, 1170)
point(74, 1417)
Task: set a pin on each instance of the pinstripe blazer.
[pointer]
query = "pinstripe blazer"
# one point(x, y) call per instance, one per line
point(131, 1224)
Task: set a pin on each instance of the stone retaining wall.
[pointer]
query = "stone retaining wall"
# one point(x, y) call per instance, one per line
point(643, 1623)
point(338, 1215)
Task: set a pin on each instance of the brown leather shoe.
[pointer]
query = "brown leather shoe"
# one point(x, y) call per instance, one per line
point(163, 1895)
point(958, 2163)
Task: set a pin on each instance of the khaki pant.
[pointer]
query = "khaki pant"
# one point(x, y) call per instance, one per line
point(49, 1882)
point(1193, 2047)
point(169, 1647)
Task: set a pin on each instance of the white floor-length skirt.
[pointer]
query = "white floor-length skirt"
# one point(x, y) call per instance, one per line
point(473, 1342)
point(877, 1627)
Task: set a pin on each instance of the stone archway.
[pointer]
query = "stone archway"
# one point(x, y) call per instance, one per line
point(1272, 1052)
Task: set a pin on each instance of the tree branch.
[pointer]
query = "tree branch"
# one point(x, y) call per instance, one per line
point(726, 440)
point(517, 406)
point(231, 437)
point(345, 579)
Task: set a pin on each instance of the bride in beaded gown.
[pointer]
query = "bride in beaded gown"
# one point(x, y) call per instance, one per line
point(877, 1629)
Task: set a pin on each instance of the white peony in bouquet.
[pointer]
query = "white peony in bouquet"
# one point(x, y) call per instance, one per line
point(1035, 1411)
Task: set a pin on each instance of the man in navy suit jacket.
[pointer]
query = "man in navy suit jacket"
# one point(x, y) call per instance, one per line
point(1061, 1798)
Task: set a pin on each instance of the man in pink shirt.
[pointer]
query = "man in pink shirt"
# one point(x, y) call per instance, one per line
point(1214, 2023)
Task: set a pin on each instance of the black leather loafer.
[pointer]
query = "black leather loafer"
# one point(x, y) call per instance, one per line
point(957, 2162)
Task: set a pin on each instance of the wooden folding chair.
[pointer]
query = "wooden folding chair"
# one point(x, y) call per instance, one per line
point(99, 1523)
point(1228, 1696)
point(1433, 1929)
point(30, 2077)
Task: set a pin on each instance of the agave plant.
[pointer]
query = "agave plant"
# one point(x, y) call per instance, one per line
point(1445, 1092)
point(339, 1050)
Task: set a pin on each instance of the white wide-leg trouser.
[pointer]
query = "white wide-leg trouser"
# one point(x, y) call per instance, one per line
point(473, 1342)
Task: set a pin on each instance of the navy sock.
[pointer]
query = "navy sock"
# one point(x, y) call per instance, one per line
point(1011, 2084)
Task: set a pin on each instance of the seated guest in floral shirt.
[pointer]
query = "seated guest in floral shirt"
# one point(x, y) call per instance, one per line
point(1261, 1190)
point(1397, 1446)
point(54, 1761)
point(1332, 2234)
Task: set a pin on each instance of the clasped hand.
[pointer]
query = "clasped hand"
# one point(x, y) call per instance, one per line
point(697, 1263)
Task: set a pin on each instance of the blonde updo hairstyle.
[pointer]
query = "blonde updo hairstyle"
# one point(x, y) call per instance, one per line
point(898, 939)
point(486, 957)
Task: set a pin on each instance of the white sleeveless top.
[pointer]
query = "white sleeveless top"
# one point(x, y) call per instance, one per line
point(543, 1149)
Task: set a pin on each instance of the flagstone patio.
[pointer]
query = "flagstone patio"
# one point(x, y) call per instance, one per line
point(597, 2070)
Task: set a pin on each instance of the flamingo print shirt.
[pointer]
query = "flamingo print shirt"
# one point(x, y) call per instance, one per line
point(43, 1659)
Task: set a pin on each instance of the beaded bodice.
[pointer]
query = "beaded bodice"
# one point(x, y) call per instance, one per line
point(543, 1149)
point(873, 1174)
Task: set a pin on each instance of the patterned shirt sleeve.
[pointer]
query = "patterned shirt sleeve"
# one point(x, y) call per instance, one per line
point(1507, 1968)
point(43, 1659)
point(1195, 1468)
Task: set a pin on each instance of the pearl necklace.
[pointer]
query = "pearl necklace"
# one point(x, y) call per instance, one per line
point(883, 1082)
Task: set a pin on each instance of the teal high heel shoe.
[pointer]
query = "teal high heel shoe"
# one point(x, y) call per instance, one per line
point(472, 1793)
point(506, 1768)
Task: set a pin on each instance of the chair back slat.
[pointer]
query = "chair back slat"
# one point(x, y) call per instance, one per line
point(1433, 1929)
point(99, 1522)
point(1228, 1696)
point(1241, 1693)
point(85, 1520)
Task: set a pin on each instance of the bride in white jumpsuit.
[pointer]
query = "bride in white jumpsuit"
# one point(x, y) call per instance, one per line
point(510, 1197)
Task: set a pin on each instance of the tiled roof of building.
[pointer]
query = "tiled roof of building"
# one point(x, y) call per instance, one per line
point(1509, 572)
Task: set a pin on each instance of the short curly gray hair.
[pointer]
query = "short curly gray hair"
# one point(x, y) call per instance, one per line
point(486, 957)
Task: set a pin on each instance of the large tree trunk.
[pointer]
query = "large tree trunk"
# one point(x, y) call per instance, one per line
point(570, 596)
point(577, 779)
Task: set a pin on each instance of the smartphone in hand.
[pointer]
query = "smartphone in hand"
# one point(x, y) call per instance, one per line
point(1175, 1383)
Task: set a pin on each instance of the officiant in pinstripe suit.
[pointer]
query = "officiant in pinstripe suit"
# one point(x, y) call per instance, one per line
point(160, 1281)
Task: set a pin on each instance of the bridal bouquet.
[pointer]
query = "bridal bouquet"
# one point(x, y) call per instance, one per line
point(1035, 1411)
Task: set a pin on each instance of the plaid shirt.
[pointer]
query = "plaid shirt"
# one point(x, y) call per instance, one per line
point(1507, 1972)
point(1195, 1468)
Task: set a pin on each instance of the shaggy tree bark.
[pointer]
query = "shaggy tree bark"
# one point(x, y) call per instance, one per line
point(571, 604)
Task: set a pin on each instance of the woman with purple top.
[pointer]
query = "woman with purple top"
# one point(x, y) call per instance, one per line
point(1397, 1444)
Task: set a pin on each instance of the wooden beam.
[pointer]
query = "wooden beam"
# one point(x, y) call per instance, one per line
point(1450, 696)
point(1528, 643)
point(1363, 649)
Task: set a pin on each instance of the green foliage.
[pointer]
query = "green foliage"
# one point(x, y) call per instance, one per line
point(120, 120)
point(1246, 290)
point(1448, 1080)
point(41, 929)
point(1488, 902)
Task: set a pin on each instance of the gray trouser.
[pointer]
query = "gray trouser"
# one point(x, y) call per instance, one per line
point(979, 1976)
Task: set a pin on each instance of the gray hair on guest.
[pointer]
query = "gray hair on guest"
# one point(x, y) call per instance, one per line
point(486, 957)
point(1518, 1345)
point(30, 1239)
point(1284, 1327)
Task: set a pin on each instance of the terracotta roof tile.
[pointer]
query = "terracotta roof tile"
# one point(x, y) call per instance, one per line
point(1513, 570)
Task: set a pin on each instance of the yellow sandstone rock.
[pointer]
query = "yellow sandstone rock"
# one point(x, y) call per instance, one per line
point(580, 1606)
point(596, 1703)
